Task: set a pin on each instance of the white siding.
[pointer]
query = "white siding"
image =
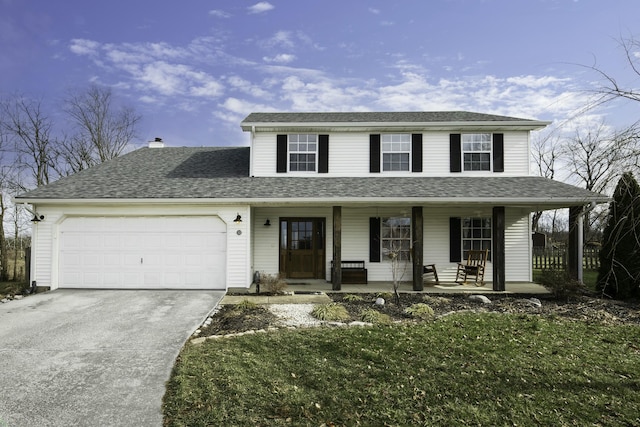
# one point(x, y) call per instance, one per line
point(349, 155)
point(516, 153)
point(45, 237)
point(517, 246)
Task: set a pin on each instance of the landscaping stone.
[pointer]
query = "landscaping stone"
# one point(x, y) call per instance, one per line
point(535, 302)
point(480, 298)
point(380, 301)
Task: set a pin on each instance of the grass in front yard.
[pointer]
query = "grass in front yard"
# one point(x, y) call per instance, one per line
point(464, 369)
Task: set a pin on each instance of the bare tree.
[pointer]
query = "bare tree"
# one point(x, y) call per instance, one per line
point(612, 87)
point(546, 152)
point(596, 155)
point(28, 132)
point(102, 130)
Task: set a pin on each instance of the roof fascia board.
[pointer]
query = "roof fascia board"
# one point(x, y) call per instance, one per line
point(505, 124)
point(327, 201)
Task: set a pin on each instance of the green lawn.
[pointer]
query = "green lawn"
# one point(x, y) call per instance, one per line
point(464, 369)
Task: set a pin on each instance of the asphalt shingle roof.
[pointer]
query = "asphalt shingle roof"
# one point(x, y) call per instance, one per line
point(223, 173)
point(379, 117)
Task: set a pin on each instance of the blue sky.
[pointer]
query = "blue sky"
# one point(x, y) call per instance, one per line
point(195, 68)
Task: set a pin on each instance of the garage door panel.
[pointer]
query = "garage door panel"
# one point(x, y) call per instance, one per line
point(137, 252)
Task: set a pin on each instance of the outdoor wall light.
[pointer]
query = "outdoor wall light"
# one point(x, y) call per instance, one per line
point(238, 219)
point(267, 223)
point(37, 218)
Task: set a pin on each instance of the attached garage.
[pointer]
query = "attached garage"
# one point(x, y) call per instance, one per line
point(167, 252)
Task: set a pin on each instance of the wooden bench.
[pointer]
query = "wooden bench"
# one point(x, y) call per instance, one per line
point(353, 272)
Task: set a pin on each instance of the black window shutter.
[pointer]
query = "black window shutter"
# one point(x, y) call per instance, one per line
point(455, 239)
point(374, 153)
point(374, 239)
point(281, 163)
point(323, 153)
point(455, 152)
point(416, 152)
point(498, 152)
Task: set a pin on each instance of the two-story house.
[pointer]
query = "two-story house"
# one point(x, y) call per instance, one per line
point(310, 189)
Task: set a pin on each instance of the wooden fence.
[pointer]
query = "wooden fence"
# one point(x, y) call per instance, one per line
point(545, 258)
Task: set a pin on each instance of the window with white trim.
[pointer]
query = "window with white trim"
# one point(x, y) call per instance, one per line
point(476, 151)
point(476, 235)
point(395, 237)
point(396, 151)
point(303, 152)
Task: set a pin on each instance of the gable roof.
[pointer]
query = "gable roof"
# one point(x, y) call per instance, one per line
point(222, 175)
point(393, 119)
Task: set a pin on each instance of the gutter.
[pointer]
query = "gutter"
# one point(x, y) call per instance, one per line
point(521, 201)
point(512, 124)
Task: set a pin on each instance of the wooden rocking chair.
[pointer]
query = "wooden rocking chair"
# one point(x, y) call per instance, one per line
point(475, 266)
point(430, 269)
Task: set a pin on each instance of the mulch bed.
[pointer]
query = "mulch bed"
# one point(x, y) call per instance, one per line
point(231, 319)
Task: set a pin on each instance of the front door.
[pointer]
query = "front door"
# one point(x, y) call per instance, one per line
point(302, 243)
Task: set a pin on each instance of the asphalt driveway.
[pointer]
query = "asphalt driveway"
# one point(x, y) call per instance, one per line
point(93, 357)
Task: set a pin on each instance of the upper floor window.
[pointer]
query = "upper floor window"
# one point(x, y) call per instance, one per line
point(303, 152)
point(476, 151)
point(396, 152)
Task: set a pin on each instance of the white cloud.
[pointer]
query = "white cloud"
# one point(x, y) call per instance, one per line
point(280, 39)
point(207, 89)
point(283, 58)
point(374, 11)
point(246, 87)
point(260, 7)
point(84, 47)
point(219, 13)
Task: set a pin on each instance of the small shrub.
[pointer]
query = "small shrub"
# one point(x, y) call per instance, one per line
point(420, 311)
point(371, 315)
point(561, 284)
point(386, 295)
point(352, 298)
point(273, 284)
point(246, 305)
point(434, 300)
point(332, 312)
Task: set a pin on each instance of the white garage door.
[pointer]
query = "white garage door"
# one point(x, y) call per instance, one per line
point(143, 253)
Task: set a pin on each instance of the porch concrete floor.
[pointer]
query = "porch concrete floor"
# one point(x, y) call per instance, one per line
point(429, 287)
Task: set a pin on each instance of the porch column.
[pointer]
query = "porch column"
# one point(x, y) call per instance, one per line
point(498, 250)
point(336, 278)
point(417, 242)
point(574, 250)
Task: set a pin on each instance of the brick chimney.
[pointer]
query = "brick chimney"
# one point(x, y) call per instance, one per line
point(156, 143)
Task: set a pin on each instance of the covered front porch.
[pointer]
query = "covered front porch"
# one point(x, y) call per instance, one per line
point(307, 245)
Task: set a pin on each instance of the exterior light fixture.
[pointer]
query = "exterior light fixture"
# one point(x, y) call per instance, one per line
point(238, 219)
point(267, 223)
point(37, 218)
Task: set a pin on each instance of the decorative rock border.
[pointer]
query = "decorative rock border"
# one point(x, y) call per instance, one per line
point(199, 340)
point(196, 339)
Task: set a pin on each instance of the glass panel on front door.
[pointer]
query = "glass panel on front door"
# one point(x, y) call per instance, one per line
point(302, 248)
